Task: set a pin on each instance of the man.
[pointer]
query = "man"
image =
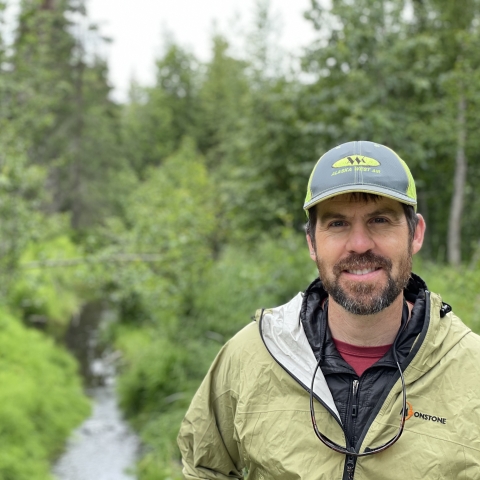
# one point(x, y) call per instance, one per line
point(366, 375)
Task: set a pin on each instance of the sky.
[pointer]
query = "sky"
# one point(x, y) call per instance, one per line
point(137, 29)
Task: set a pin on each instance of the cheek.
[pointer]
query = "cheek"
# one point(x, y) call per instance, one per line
point(325, 266)
point(395, 246)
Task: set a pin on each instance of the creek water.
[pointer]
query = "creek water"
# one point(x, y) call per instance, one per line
point(103, 447)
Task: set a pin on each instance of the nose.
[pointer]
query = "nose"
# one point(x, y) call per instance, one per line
point(359, 239)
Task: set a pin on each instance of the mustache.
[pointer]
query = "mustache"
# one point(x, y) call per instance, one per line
point(359, 261)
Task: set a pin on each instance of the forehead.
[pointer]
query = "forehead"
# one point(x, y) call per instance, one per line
point(351, 205)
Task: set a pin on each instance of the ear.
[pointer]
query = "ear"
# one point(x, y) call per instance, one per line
point(311, 248)
point(419, 234)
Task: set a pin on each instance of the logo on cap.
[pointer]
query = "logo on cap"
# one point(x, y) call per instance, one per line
point(356, 160)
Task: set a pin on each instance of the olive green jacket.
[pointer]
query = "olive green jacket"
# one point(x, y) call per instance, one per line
point(251, 413)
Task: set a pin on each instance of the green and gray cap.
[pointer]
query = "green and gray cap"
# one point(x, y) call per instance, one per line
point(361, 167)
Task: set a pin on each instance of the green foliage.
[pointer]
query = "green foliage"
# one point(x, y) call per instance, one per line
point(169, 224)
point(161, 456)
point(458, 287)
point(41, 401)
point(277, 153)
point(63, 112)
point(147, 129)
point(22, 198)
point(157, 369)
point(48, 294)
point(177, 79)
point(243, 280)
point(222, 102)
point(157, 119)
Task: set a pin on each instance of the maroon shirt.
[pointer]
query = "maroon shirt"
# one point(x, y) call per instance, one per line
point(360, 358)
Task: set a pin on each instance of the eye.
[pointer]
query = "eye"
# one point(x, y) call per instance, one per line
point(379, 220)
point(337, 223)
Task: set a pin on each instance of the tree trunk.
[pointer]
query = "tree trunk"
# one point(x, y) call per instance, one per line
point(456, 208)
point(48, 5)
point(76, 197)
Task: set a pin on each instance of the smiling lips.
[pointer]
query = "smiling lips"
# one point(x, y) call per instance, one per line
point(364, 271)
point(361, 264)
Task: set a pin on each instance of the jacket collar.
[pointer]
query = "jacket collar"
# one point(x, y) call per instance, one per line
point(284, 337)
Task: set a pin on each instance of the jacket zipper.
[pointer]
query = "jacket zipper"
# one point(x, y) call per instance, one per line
point(350, 460)
point(355, 398)
point(353, 409)
point(350, 465)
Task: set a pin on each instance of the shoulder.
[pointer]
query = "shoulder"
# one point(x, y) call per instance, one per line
point(246, 339)
point(248, 355)
point(455, 338)
point(243, 350)
point(470, 344)
point(278, 321)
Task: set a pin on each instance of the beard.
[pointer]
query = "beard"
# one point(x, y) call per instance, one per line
point(366, 298)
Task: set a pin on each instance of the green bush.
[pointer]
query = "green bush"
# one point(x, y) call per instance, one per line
point(51, 293)
point(459, 287)
point(156, 370)
point(243, 280)
point(41, 401)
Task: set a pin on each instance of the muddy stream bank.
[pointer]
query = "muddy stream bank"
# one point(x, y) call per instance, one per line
point(104, 447)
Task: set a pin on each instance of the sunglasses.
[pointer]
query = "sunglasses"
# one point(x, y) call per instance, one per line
point(350, 452)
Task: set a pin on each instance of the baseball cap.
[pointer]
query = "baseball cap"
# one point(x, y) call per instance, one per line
point(361, 167)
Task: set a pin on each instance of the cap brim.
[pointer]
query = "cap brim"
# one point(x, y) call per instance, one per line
point(374, 189)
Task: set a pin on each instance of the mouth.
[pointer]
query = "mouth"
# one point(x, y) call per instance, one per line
point(365, 267)
point(362, 271)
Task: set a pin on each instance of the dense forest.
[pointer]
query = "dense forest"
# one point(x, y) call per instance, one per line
point(182, 208)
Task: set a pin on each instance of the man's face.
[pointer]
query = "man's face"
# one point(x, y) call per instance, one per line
point(363, 252)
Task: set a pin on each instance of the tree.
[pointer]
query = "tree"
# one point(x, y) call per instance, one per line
point(156, 119)
point(63, 111)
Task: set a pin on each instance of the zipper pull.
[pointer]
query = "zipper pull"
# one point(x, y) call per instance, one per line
point(350, 467)
point(355, 398)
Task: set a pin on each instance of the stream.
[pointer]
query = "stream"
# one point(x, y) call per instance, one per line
point(104, 447)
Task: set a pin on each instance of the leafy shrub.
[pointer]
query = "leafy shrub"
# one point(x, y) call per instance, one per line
point(460, 288)
point(243, 280)
point(44, 290)
point(41, 401)
point(156, 370)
